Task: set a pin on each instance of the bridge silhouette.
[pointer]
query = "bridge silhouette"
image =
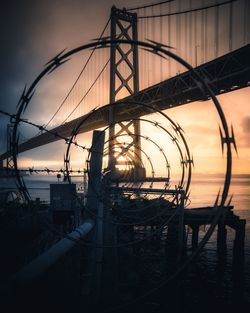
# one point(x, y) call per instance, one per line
point(187, 27)
point(125, 220)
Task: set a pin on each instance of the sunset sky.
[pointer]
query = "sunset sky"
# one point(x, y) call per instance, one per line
point(32, 32)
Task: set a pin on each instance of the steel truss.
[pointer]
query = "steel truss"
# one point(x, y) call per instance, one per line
point(124, 77)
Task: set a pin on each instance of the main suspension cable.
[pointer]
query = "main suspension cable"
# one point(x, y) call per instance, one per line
point(149, 5)
point(187, 11)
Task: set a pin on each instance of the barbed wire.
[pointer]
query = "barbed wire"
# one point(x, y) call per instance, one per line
point(32, 170)
point(227, 141)
point(42, 128)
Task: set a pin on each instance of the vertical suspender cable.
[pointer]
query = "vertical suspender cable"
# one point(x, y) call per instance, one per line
point(101, 79)
point(141, 59)
point(78, 77)
point(195, 40)
point(169, 39)
point(216, 31)
point(178, 43)
point(146, 55)
point(230, 26)
point(202, 35)
point(85, 85)
point(246, 22)
point(205, 37)
point(186, 34)
point(190, 46)
point(95, 96)
point(154, 62)
point(78, 91)
point(161, 39)
point(98, 83)
point(106, 77)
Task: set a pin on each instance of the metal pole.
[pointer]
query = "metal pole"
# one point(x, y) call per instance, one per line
point(44, 261)
point(112, 91)
point(94, 264)
point(95, 172)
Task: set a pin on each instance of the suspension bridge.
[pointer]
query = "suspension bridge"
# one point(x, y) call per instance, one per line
point(146, 60)
point(187, 26)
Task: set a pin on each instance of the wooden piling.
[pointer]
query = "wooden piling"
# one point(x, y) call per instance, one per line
point(238, 261)
point(181, 230)
point(221, 238)
point(195, 235)
point(239, 242)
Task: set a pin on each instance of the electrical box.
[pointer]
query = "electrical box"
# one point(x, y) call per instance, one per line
point(62, 201)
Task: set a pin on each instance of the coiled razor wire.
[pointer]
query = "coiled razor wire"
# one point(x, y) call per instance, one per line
point(175, 127)
point(203, 86)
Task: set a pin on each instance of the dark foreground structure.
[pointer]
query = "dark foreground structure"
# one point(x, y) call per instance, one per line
point(114, 252)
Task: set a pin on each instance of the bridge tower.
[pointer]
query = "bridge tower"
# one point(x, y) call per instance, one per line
point(9, 160)
point(124, 80)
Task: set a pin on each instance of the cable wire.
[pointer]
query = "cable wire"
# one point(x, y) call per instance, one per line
point(187, 11)
point(149, 5)
point(78, 77)
point(88, 91)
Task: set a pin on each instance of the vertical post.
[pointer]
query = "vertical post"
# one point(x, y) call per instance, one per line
point(181, 232)
point(95, 210)
point(85, 182)
point(238, 262)
point(195, 236)
point(221, 238)
point(95, 171)
point(181, 227)
point(239, 242)
point(9, 161)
